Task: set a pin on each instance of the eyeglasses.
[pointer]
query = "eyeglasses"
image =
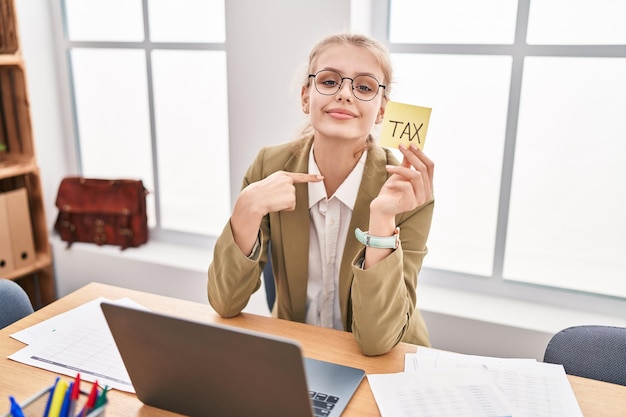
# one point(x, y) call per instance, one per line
point(329, 82)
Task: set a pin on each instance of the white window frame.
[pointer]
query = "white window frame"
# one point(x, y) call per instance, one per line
point(157, 231)
point(495, 284)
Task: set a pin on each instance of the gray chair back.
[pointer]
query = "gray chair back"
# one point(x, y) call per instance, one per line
point(14, 302)
point(590, 351)
point(268, 279)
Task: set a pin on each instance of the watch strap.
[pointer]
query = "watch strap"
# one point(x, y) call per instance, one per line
point(387, 242)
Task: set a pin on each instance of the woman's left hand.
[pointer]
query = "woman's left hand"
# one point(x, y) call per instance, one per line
point(409, 186)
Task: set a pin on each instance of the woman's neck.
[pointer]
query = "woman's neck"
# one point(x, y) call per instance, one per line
point(336, 159)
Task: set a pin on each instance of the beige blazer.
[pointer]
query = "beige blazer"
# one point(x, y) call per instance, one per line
point(378, 304)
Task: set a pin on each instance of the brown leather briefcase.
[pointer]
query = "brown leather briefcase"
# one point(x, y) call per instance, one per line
point(102, 211)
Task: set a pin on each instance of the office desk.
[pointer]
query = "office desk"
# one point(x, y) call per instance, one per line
point(597, 399)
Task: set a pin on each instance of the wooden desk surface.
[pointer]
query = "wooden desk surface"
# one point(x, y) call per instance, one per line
point(596, 399)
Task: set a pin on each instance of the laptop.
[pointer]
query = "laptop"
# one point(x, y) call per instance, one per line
point(201, 369)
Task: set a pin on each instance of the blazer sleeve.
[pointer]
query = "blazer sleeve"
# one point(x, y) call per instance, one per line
point(384, 297)
point(233, 276)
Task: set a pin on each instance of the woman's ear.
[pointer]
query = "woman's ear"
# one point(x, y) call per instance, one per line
point(381, 110)
point(304, 97)
point(381, 114)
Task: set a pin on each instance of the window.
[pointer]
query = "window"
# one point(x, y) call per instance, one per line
point(149, 92)
point(527, 133)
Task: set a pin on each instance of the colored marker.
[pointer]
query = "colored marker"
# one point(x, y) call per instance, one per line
point(65, 407)
point(57, 398)
point(102, 398)
point(47, 410)
point(91, 400)
point(16, 410)
point(74, 396)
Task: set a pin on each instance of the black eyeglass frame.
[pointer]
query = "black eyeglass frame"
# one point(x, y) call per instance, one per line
point(351, 84)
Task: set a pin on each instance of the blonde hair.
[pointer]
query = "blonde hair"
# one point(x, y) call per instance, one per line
point(373, 46)
point(376, 48)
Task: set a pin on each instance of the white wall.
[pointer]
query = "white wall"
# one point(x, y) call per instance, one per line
point(264, 39)
point(270, 40)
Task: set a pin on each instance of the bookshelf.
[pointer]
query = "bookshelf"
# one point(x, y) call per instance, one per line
point(25, 253)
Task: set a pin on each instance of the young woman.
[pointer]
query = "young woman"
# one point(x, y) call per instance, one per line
point(347, 222)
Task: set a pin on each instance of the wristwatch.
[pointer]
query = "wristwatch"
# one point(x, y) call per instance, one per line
point(388, 242)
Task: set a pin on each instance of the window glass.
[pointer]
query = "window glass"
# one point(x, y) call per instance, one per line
point(566, 222)
point(104, 20)
point(469, 97)
point(187, 20)
point(192, 137)
point(154, 114)
point(111, 101)
point(577, 22)
point(453, 21)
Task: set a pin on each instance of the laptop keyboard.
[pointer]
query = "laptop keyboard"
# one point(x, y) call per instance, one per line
point(322, 403)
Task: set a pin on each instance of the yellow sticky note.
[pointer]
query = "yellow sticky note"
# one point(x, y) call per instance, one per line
point(404, 123)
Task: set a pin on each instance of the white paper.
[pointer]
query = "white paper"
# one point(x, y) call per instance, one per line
point(432, 358)
point(534, 389)
point(78, 341)
point(460, 392)
point(32, 333)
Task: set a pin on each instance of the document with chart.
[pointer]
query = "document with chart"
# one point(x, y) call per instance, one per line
point(462, 392)
point(79, 341)
point(530, 388)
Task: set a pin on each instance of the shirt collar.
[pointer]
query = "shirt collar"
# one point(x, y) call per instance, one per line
point(346, 192)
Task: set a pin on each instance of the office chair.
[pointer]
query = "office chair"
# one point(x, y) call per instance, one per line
point(14, 302)
point(268, 279)
point(596, 352)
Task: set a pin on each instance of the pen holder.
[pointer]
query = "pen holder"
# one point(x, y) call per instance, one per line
point(35, 406)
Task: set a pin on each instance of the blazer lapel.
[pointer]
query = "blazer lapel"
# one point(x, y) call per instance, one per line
point(295, 236)
point(374, 176)
point(295, 230)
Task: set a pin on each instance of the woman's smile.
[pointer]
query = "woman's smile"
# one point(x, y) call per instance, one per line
point(341, 114)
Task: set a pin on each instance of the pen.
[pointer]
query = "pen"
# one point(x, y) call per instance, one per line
point(91, 400)
point(65, 407)
point(57, 398)
point(47, 410)
point(102, 398)
point(74, 396)
point(16, 410)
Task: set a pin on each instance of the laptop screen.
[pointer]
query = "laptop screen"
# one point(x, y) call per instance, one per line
point(202, 369)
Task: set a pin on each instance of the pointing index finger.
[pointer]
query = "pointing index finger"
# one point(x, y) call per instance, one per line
point(299, 177)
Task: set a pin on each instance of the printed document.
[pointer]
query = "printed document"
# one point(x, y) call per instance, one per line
point(77, 341)
point(459, 392)
point(531, 388)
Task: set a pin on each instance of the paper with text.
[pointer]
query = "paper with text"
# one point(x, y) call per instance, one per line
point(534, 389)
point(78, 342)
point(404, 123)
point(460, 392)
point(46, 327)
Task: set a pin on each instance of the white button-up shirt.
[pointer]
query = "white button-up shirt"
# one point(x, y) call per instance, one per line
point(330, 219)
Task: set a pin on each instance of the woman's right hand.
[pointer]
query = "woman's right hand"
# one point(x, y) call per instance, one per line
point(276, 192)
